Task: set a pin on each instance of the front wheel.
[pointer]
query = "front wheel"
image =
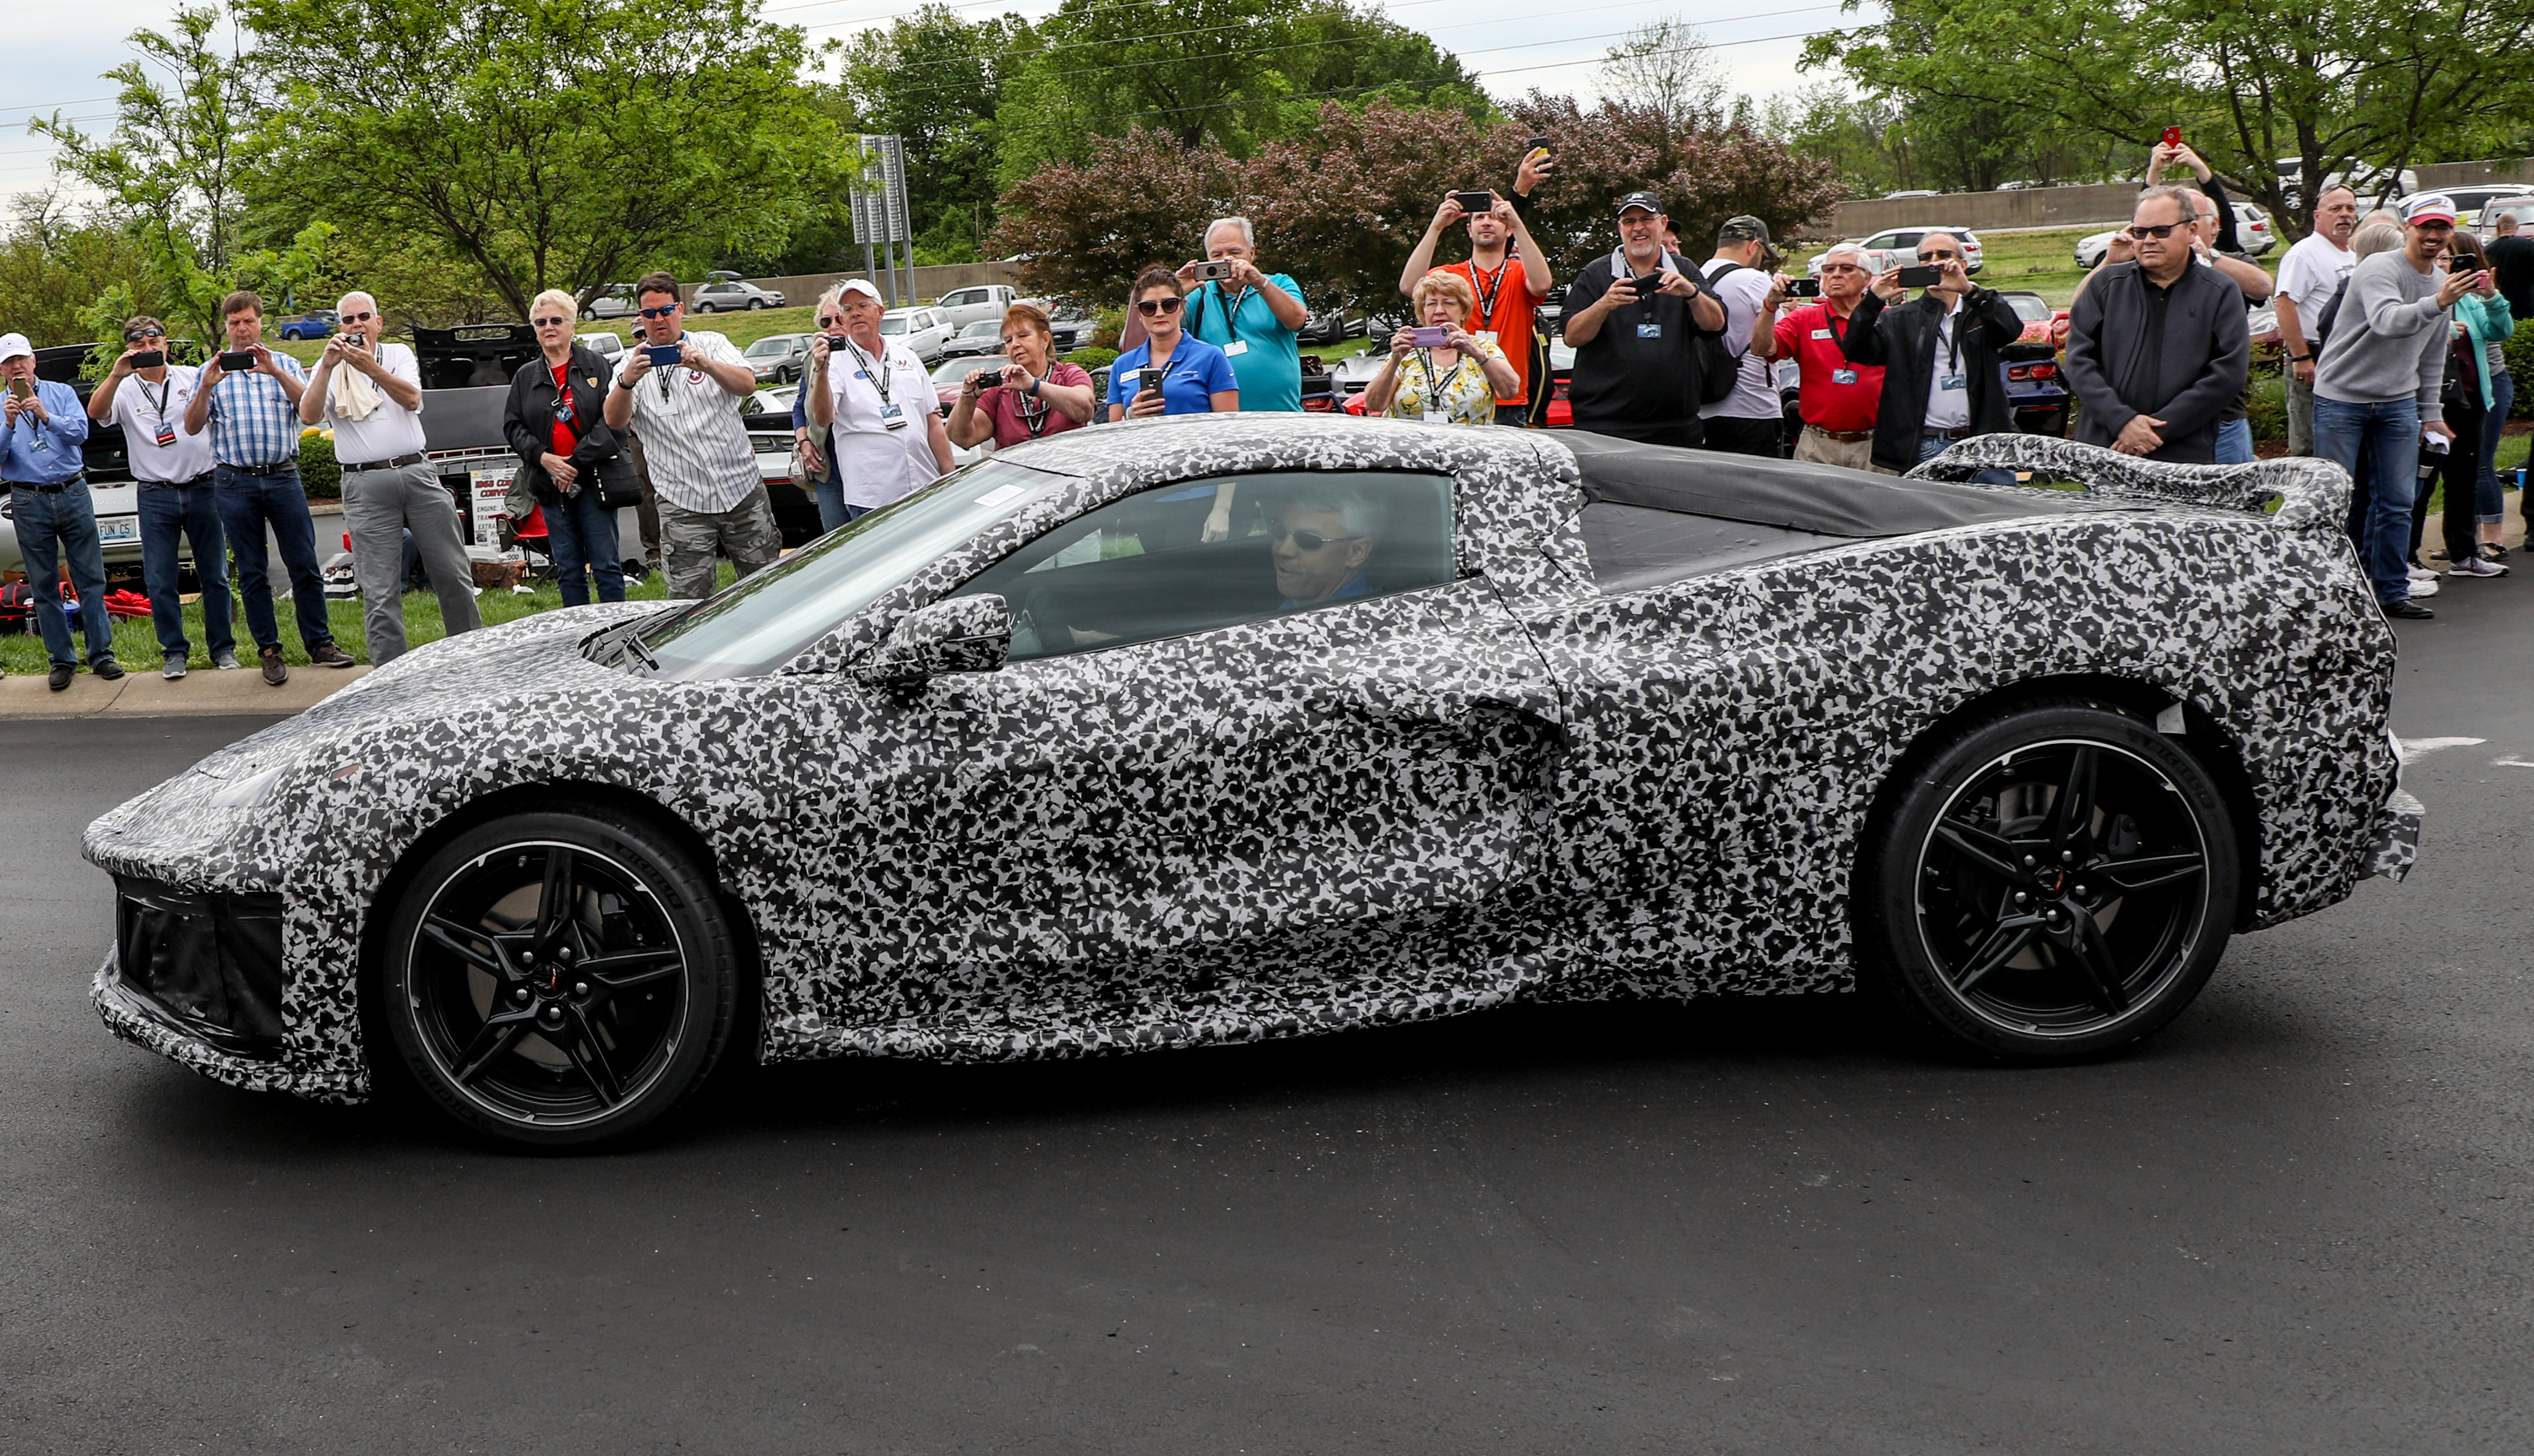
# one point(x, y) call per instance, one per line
point(754, 304)
point(559, 978)
point(2054, 883)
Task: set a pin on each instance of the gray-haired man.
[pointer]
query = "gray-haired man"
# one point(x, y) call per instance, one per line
point(1252, 316)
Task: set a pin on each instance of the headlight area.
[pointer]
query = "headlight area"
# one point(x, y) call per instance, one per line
point(207, 962)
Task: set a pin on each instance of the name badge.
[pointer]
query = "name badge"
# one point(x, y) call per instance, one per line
point(1821, 334)
point(1648, 331)
point(893, 417)
point(861, 374)
point(1437, 417)
point(166, 433)
point(1843, 376)
point(1236, 347)
point(1950, 381)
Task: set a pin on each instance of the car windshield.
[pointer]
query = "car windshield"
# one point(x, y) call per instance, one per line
point(988, 330)
point(956, 371)
point(892, 324)
point(770, 345)
point(2028, 307)
point(763, 621)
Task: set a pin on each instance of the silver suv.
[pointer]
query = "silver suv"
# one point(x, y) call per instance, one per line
point(730, 295)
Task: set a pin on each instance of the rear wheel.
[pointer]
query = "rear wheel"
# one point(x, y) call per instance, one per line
point(2054, 883)
point(559, 978)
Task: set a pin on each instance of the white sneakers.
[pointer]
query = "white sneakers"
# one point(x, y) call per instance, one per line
point(2476, 567)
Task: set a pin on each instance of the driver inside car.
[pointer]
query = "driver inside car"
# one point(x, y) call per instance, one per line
point(1323, 539)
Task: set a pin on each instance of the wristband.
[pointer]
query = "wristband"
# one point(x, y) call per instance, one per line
point(1033, 389)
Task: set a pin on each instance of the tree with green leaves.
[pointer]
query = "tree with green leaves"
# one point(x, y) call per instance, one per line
point(938, 82)
point(541, 145)
point(54, 262)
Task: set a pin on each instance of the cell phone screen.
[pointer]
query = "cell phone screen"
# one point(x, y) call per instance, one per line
point(1803, 287)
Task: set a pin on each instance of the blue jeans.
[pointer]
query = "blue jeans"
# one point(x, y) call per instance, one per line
point(832, 509)
point(250, 501)
point(54, 527)
point(2386, 433)
point(2489, 497)
point(1932, 446)
point(2235, 443)
point(580, 534)
point(192, 512)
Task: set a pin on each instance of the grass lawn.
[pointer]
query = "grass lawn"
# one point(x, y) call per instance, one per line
point(136, 642)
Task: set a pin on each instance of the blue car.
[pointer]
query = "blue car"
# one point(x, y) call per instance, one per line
point(2035, 389)
point(317, 323)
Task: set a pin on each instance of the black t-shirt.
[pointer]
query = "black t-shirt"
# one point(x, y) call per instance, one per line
point(2511, 266)
point(1623, 377)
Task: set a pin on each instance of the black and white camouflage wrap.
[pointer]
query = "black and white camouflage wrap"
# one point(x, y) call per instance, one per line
point(1513, 786)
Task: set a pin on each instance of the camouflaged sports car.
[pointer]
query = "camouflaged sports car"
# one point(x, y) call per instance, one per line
point(1234, 727)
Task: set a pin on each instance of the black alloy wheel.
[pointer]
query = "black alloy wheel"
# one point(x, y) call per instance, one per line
point(2054, 883)
point(559, 978)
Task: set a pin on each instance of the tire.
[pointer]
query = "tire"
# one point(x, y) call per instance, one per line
point(492, 1004)
point(2000, 927)
point(754, 304)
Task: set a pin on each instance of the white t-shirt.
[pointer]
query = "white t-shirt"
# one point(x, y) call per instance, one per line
point(877, 464)
point(388, 431)
point(142, 408)
point(1742, 292)
point(693, 443)
point(2312, 273)
point(1949, 408)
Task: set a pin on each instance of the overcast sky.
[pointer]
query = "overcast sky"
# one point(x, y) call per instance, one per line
point(58, 52)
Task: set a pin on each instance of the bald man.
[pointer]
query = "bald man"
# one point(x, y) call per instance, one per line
point(371, 394)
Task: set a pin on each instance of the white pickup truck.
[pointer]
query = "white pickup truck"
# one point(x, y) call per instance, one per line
point(981, 304)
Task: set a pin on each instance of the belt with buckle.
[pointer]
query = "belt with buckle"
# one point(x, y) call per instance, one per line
point(1961, 433)
point(53, 489)
point(398, 463)
point(1843, 437)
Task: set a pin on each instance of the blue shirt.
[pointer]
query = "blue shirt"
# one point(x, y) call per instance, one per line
point(254, 424)
point(1270, 358)
point(1196, 371)
point(40, 453)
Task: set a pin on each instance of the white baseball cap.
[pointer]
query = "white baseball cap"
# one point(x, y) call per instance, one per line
point(14, 344)
point(860, 286)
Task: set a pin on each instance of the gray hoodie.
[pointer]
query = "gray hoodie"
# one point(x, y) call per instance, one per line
point(2390, 337)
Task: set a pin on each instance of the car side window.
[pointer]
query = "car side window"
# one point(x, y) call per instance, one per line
point(1140, 568)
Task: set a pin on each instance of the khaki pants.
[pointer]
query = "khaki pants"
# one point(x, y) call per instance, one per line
point(2300, 415)
point(1821, 450)
point(691, 540)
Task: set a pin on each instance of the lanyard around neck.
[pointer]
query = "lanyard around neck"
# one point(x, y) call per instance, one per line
point(878, 374)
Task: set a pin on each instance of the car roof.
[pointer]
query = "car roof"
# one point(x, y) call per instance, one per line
point(1791, 493)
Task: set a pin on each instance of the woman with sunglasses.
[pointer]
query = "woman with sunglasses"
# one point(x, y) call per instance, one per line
point(1195, 377)
point(1454, 382)
point(569, 460)
point(1031, 398)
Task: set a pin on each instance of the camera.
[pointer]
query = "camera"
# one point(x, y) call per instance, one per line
point(1430, 337)
point(1921, 276)
point(149, 358)
point(1803, 288)
point(236, 361)
point(981, 380)
point(1647, 285)
point(1212, 272)
point(1475, 203)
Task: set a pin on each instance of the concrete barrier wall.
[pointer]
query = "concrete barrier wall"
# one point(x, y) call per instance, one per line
point(929, 282)
point(2470, 173)
point(2039, 207)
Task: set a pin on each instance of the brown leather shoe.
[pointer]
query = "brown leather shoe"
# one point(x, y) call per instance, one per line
point(274, 671)
point(329, 655)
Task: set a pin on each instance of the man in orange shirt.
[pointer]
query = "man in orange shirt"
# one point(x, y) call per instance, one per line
point(1509, 274)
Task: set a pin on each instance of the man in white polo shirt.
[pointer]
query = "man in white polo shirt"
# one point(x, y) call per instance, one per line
point(703, 468)
point(173, 469)
point(371, 393)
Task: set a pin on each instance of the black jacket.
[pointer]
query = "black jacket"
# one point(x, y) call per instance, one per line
point(2187, 379)
point(527, 423)
point(1903, 341)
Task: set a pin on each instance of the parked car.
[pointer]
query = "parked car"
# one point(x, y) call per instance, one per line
point(606, 345)
point(2517, 204)
point(985, 303)
point(1877, 259)
point(615, 301)
point(984, 337)
point(2375, 186)
point(1072, 331)
point(2252, 229)
point(2035, 392)
point(1331, 326)
point(2468, 200)
point(729, 295)
point(922, 329)
point(1902, 244)
point(317, 323)
point(2091, 247)
point(1912, 192)
point(950, 373)
point(778, 359)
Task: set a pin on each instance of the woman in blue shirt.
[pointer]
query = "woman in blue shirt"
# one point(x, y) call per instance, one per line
point(1196, 378)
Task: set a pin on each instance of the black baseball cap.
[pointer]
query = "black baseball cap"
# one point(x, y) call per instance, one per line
point(1645, 199)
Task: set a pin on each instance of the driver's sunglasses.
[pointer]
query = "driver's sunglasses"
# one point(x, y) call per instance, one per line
point(358, 317)
point(1941, 255)
point(660, 313)
point(2141, 232)
point(135, 335)
point(549, 323)
point(1151, 307)
point(1310, 540)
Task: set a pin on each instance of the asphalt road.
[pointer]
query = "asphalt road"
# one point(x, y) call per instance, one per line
point(2297, 1222)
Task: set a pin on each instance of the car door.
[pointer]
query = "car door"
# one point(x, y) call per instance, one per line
point(1178, 765)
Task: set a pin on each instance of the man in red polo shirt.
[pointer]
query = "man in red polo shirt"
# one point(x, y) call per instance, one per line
point(1839, 398)
point(1510, 276)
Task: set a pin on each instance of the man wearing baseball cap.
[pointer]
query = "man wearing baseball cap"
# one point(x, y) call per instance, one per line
point(47, 483)
point(1632, 318)
point(2375, 388)
point(1751, 419)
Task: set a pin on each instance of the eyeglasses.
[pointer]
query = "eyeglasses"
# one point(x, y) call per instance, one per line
point(1941, 255)
point(660, 313)
point(2141, 233)
point(1310, 540)
point(550, 323)
point(2434, 226)
point(831, 321)
point(358, 317)
point(135, 335)
point(1832, 268)
point(1149, 307)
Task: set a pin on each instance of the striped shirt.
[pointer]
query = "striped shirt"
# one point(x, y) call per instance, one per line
point(254, 424)
point(692, 442)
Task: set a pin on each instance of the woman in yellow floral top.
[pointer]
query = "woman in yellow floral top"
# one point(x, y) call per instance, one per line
point(1454, 382)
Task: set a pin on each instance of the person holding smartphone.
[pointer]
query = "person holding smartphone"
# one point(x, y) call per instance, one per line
point(1941, 381)
point(178, 502)
point(1438, 371)
point(1170, 373)
point(570, 461)
point(1509, 279)
point(1837, 397)
point(681, 389)
point(872, 392)
point(1632, 319)
point(47, 482)
point(369, 393)
point(2483, 320)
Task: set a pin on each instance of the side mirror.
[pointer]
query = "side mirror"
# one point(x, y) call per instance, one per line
point(957, 633)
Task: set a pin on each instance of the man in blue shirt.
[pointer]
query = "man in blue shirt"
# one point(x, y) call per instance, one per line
point(1252, 316)
point(47, 481)
point(252, 414)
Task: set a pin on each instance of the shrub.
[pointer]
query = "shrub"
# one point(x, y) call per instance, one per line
point(1092, 358)
point(317, 469)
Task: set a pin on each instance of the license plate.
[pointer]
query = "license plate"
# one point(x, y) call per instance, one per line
point(113, 531)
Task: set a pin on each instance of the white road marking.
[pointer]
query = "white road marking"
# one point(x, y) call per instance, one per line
point(2510, 761)
point(2413, 749)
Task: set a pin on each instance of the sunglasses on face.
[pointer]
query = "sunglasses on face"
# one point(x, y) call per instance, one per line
point(1832, 268)
point(135, 335)
point(1150, 307)
point(2434, 228)
point(1939, 255)
point(660, 313)
point(1310, 540)
point(358, 317)
point(2141, 233)
point(550, 323)
point(831, 321)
